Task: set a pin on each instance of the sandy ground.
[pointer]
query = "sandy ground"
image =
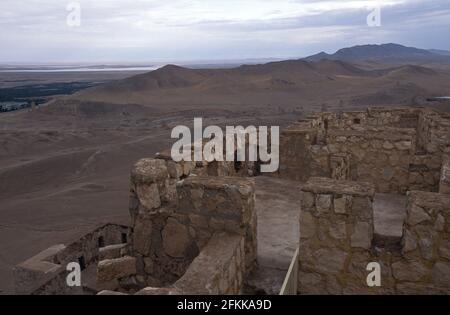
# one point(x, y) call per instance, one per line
point(278, 207)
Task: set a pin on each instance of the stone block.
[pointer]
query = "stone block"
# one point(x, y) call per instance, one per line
point(159, 291)
point(307, 225)
point(330, 260)
point(362, 235)
point(174, 169)
point(307, 201)
point(439, 225)
point(413, 271)
point(310, 283)
point(323, 203)
point(362, 208)
point(113, 251)
point(142, 235)
point(112, 269)
point(409, 242)
point(444, 249)
point(441, 274)
point(338, 230)
point(417, 215)
point(147, 171)
point(342, 204)
point(175, 238)
point(109, 292)
point(149, 196)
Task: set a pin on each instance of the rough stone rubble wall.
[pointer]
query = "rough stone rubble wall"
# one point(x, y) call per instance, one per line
point(396, 149)
point(425, 264)
point(433, 138)
point(424, 172)
point(336, 242)
point(177, 209)
point(433, 131)
point(295, 157)
point(46, 272)
point(381, 157)
point(218, 269)
point(336, 229)
point(173, 222)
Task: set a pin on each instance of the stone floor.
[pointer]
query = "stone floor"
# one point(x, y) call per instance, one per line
point(389, 212)
point(278, 207)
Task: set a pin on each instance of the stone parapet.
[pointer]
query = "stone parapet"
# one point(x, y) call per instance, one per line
point(425, 267)
point(396, 149)
point(168, 234)
point(219, 269)
point(221, 204)
point(336, 242)
point(336, 231)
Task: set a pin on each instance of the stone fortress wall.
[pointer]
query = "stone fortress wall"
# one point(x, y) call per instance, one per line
point(193, 231)
point(175, 227)
point(396, 149)
point(193, 224)
point(400, 151)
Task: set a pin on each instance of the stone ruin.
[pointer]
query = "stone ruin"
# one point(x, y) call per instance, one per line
point(356, 165)
point(375, 187)
point(46, 272)
point(193, 231)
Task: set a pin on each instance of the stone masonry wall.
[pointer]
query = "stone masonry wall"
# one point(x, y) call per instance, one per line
point(153, 202)
point(433, 137)
point(308, 147)
point(381, 157)
point(221, 204)
point(219, 269)
point(170, 232)
point(433, 131)
point(336, 242)
point(295, 155)
point(375, 117)
point(425, 264)
point(336, 229)
point(46, 272)
point(424, 172)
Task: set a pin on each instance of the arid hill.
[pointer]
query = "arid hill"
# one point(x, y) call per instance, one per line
point(285, 83)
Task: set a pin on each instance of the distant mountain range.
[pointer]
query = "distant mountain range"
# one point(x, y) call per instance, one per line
point(440, 52)
point(284, 82)
point(384, 52)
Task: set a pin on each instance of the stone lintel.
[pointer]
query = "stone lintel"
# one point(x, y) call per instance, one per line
point(323, 185)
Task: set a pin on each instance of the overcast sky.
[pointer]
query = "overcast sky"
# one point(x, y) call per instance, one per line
point(36, 31)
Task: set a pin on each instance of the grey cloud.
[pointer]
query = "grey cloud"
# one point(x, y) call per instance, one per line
point(144, 30)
